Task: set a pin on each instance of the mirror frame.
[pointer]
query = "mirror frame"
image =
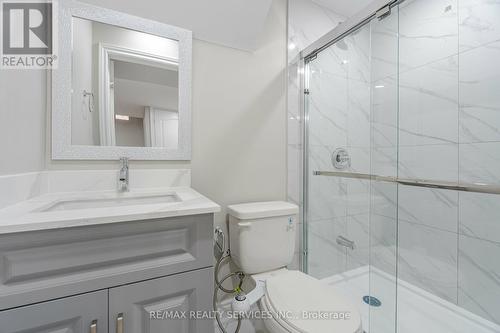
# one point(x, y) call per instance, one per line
point(62, 148)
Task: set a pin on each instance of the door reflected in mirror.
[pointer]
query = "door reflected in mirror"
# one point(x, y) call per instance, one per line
point(125, 87)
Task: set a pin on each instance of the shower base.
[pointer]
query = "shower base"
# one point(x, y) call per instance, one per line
point(418, 310)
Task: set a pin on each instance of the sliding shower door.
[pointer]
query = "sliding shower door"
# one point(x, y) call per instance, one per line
point(384, 118)
point(402, 175)
point(449, 132)
point(351, 222)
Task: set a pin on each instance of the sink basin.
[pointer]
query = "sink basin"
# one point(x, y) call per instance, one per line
point(110, 202)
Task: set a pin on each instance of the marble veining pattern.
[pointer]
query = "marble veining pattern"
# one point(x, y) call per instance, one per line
point(428, 32)
point(478, 22)
point(17, 188)
point(308, 21)
point(428, 259)
point(479, 216)
point(479, 98)
point(431, 207)
point(429, 104)
point(480, 163)
point(479, 277)
point(416, 96)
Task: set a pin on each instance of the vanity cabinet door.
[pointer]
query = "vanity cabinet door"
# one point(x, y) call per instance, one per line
point(78, 314)
point(163, 305)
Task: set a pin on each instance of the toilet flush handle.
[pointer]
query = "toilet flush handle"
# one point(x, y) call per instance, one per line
point(244, 224)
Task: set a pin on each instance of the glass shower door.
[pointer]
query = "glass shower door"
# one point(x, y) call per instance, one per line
point(384, 163)
point(402, 170)
point(449, 131)
point(339, 123)
point(351, 112)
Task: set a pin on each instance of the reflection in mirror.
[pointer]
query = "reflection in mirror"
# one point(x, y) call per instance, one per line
point(125, 87)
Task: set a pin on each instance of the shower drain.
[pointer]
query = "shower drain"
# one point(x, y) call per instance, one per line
point(372, 301)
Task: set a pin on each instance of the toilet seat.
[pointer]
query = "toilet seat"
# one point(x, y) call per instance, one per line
point(291, 293)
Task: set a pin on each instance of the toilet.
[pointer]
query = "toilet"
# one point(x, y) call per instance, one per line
point(262, 243)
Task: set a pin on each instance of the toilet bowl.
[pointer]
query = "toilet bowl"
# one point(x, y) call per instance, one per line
point(300, 303)
point(262, 243)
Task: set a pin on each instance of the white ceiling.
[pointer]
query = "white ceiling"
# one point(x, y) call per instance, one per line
point(233, 23)
point(346, 8)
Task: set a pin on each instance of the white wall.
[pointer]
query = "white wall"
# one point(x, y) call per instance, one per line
point(130, 133)
point(239, 120)
point(132, 96)
point(22, 120)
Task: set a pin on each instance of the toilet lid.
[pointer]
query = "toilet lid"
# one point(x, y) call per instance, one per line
point(310, 306)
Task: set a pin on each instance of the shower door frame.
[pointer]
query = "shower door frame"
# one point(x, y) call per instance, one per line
point(374, 10)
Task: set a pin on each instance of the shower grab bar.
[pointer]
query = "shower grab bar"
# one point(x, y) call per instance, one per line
point(472, 187)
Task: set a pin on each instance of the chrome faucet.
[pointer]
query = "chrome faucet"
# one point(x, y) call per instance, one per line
point(123, 179)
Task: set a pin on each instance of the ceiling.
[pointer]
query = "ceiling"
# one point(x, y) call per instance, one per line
point(233, 23)
point(346, 8)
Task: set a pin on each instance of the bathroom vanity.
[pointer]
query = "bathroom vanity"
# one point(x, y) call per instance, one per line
point(77, 258)
point(106, 262)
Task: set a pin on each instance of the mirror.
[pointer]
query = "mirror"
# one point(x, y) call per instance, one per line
point(125, 87)
point(129, 92)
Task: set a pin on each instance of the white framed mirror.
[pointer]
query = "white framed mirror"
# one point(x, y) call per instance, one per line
point(122, 88)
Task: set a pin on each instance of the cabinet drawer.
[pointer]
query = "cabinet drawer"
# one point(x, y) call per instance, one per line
point(182, 293)
point(72, 315)
point(38, 266)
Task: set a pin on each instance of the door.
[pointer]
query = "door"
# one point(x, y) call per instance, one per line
point(161, 128)
point(164, 305)
point(351, 112)
point(79, 314)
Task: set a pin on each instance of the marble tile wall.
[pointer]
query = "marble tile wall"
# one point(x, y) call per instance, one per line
point(339, 117)
point(307, 21)
point(423, 103)
point(21, 187)
point(449, 122)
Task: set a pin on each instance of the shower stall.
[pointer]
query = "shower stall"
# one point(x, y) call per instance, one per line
point(401, 175)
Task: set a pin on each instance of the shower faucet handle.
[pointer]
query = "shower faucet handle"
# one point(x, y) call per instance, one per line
point(342, 241)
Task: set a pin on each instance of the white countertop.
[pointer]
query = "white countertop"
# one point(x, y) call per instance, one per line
point(26, 216)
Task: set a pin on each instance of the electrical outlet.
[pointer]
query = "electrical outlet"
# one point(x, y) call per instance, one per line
point(219, 243)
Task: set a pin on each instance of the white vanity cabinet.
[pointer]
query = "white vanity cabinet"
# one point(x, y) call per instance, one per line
point(63, 280)
point(163, 305)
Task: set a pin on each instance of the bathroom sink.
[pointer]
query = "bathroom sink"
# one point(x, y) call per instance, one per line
point(74, 204)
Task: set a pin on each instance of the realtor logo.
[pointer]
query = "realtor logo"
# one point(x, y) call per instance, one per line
point(27, 34)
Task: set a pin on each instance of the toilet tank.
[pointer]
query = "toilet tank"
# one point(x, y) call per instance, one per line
point(262, 235)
